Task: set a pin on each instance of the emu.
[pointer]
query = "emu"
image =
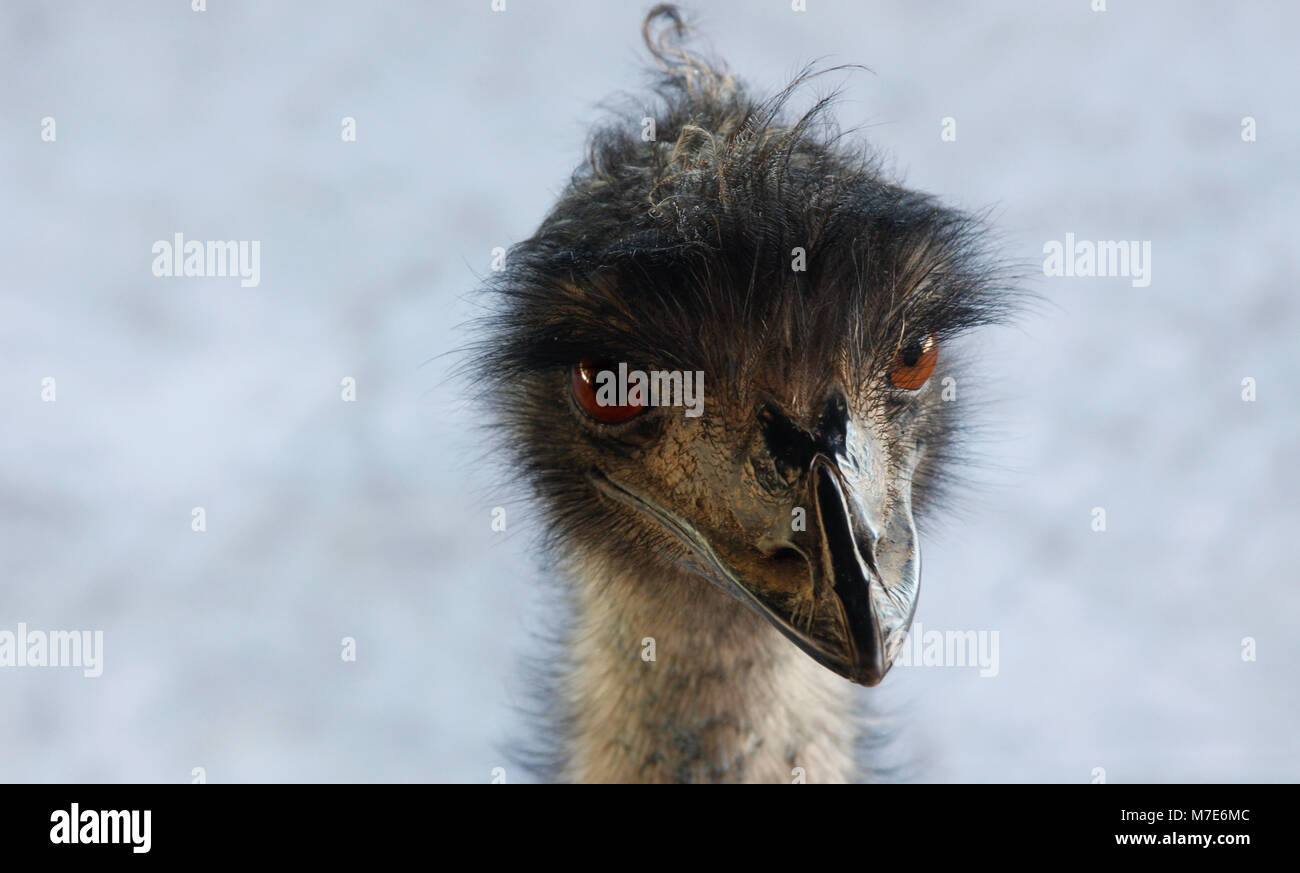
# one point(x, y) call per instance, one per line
point(732, 576)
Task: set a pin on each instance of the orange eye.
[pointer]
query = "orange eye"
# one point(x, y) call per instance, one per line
point(914, 362)
point(589, 389)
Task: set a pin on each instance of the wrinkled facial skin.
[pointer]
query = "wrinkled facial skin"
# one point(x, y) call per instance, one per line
point(801, 510)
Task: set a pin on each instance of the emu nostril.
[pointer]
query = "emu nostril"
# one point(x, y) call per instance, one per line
point(787, 555)
point(833, 426)
point(789, 445)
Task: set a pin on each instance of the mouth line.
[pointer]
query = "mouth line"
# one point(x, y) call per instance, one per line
point(718, 569)
point(854, 572)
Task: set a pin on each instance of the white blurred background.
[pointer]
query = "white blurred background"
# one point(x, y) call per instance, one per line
point(325, 519)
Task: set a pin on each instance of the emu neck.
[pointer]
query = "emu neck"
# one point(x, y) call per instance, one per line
point(726, 698)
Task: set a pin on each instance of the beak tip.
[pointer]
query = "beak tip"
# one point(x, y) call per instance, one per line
point(869, 674)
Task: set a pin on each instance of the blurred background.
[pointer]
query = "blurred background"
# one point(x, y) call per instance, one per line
point(370, 519)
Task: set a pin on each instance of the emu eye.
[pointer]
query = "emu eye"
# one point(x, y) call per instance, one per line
point(585, 385)
point(914, 362)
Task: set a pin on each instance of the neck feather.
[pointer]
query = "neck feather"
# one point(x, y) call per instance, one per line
point(726, 698)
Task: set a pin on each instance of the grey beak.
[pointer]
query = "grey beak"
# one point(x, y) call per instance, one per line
point(847, 560)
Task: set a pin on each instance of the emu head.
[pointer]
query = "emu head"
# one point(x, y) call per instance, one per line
point(817, 299)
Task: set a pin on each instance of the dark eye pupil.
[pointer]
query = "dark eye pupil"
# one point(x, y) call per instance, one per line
point(911, 353)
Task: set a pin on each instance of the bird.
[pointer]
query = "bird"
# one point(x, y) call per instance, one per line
point(732, 573)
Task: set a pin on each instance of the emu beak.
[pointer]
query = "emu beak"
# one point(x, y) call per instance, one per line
point(848, 598)
point(865, 580)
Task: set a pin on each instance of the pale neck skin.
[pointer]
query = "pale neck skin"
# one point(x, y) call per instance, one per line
point(727, 698)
